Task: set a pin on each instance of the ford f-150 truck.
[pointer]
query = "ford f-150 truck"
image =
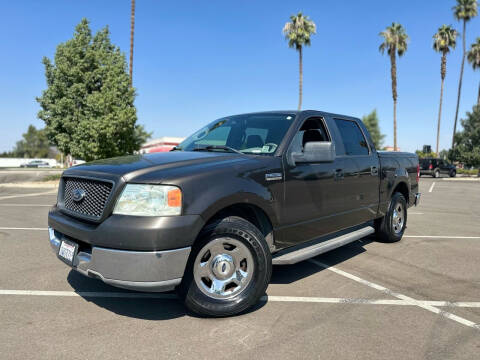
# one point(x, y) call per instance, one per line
point(210, 217)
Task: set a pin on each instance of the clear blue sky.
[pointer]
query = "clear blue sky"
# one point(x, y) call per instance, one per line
point(199, 60)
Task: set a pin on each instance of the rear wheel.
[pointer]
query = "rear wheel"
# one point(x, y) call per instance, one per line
point(453, 173)
point(436, 173)
point(228, 270)
point(391, 227)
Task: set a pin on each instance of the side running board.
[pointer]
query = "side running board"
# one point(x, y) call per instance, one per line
point(295, 256)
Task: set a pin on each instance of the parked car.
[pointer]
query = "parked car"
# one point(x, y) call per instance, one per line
point(36, 164)
point(435, 167)
point(210, 217)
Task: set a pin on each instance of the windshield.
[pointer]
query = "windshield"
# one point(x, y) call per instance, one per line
point(259, 134)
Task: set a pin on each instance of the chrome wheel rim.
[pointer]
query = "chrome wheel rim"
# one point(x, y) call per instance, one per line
point(223, 268)
point(398, 218)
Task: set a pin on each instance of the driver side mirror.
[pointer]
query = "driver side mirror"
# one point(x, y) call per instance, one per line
point(316, 151)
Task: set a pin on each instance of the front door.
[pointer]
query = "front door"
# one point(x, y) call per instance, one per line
point(315, 193)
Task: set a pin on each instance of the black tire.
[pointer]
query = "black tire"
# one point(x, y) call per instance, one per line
point(236, 228)
point(436, 173)
point(384, 227)
point(453, 173)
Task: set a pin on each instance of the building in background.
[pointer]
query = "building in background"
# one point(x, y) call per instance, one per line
point(162, 144)
point(390, 148)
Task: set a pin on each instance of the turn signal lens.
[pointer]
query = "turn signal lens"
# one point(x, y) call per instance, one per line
point(174, 198)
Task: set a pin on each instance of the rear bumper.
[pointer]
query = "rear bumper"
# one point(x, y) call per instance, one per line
point(426, 172)
point(135, 270)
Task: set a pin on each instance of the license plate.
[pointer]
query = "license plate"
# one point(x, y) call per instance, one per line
point(67, 251)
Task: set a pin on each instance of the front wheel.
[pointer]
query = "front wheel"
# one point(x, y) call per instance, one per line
point(391, 227)
point(229, 269)
point(453, 173)
point(436, 173)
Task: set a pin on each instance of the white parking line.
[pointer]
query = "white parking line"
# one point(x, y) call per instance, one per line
point(27, 195)
point(441, 237)
point(29, 205)
point(269, 298)
point(15, 228)
point(408, 299)
point(431, 187)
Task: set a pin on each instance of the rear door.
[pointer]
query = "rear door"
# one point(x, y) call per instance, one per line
point(363, 200)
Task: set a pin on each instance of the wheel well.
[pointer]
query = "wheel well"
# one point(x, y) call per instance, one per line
point(403, 189)
point(251, 213)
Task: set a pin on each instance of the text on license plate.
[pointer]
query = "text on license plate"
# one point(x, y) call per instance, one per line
point(66, 251)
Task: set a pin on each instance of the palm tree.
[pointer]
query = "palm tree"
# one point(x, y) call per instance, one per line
point(443, 40)
point(132, 29)
point(465, 10)
point(395, 41)
point(298, 32)
point(473, 57)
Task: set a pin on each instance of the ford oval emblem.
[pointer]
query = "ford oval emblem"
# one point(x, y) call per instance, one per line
point(78, 195)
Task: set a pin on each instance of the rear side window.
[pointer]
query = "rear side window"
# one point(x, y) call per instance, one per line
point(352, 137)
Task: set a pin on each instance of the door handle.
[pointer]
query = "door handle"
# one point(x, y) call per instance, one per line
point(373, 170)
point(339, 174)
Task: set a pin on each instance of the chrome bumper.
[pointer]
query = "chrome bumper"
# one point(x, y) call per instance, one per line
point(417, 198)
point(154, 271)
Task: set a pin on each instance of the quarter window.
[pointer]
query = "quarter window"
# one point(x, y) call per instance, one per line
point(352, 137)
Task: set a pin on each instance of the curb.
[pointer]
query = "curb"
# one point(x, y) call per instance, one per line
point(32, 185)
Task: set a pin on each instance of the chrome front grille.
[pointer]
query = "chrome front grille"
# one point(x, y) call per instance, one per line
point(95, 196)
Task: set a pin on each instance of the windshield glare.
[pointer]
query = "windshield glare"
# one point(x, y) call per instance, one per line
point(258, 134)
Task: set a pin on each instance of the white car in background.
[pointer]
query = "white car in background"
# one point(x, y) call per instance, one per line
point(36, 164)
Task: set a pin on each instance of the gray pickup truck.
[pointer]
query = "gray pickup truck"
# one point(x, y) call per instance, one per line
point(210, 217)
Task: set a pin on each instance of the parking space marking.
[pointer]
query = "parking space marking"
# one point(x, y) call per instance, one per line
point(268, 298)
point(408, 299)
point(441, 237)
point(431, 187)
point(15, 228)
point(29, 205)
point(27, 195)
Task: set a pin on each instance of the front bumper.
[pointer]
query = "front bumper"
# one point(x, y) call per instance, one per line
point(135, 270)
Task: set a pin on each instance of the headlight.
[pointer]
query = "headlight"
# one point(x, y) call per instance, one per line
point(149, 200)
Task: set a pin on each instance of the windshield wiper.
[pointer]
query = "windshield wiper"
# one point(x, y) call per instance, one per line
point(218, 147)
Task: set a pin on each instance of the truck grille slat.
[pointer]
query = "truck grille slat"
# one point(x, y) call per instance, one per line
point(95, 199)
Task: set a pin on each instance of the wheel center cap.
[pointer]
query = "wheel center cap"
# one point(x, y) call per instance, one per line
point(223, 266)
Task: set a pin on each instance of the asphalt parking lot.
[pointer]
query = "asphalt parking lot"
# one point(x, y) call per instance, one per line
point(416, 299)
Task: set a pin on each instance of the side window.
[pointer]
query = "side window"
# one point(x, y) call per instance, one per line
point(352, 137)
point(313, 129)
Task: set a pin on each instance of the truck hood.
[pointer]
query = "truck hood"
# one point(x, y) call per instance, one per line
point(131, 166)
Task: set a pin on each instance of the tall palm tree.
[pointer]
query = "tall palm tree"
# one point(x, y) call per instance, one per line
point(473, 57)
point(298, 32)
point(395, 41)
point(132, 30)
point(444, 40)
point(464, 11)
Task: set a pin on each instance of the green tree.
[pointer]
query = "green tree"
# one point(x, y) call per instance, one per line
point(88, 106)
point(371, 122)
point(467, 142)
point(34, 144)
point(444, 40)
point(464, 11)
point(141, 136)
point(298, 32)
point(395, 41)
point(473, 57)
